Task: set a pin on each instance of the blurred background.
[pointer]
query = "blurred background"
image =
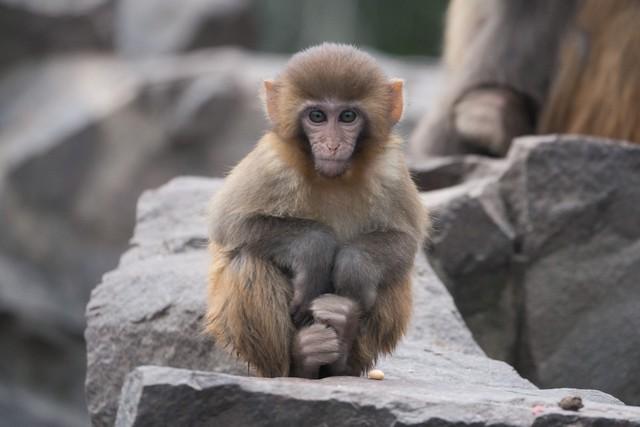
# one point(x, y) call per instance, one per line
point(103, 99)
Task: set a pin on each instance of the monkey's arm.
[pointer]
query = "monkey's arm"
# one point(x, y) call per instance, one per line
point(371, 313)
point(255, 261)
point(370, 261)
point(301, 248)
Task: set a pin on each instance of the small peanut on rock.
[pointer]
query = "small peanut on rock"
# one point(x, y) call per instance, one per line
point(375, 374)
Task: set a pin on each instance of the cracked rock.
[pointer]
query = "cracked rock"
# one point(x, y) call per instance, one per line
point(542, 256)
point(149, 310)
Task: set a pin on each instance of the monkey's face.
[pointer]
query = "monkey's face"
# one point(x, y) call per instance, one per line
point(332, 130)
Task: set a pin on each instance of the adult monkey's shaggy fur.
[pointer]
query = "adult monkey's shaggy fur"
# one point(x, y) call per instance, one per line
point(520, 67)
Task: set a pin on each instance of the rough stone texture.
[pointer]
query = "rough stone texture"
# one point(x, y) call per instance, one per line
point(149, 311)
point(166, 396)
point(152, 27)
point(543, 259)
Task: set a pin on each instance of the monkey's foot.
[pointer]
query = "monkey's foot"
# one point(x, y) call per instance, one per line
point(314, 346)
point(342, 314)
point(490, 117)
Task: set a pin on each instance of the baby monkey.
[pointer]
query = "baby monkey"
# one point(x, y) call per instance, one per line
point(314, 233)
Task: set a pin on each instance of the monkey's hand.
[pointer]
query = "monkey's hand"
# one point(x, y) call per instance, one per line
point(314, 346)
point(304, 292)
point(342, 314)
point(490, 117)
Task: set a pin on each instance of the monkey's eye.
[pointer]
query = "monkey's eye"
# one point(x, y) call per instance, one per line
point(317, 116)
point(347, 116)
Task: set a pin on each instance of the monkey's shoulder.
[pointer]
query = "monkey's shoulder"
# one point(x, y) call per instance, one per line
point(264, 183)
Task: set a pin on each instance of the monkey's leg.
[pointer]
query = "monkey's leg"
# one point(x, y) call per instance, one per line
point(303, 248)
point(513, 52)
point(489, 118)
point(383, 326)
point(251, 295)
point(373, 270)
point(248, 311)
point(313, 347)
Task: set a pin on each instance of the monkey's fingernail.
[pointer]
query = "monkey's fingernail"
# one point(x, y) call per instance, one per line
point(375, 374)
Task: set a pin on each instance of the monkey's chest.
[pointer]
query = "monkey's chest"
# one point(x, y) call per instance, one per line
point(347, 214)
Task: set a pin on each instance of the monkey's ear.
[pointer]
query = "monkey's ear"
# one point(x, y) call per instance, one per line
point(271, 99)
point(397, 99)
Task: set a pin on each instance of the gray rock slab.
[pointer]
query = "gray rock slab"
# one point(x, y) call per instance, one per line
point(575, 203)
point(542, 257)
point(154, 395)
point(149, 311)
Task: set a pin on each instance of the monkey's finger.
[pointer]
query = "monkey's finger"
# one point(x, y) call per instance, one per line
point(322, 359)
point(332, 302)
point(335, 320)
point(317, 335)
point(323, 351)
point(335, 311)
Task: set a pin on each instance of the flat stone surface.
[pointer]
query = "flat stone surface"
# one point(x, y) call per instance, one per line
point(156, 395)
point(149, 312)
point(542, 255)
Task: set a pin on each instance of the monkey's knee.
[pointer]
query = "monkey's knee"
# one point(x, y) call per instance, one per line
point(489, 118)
point(313, 261)
point(356, 276)
point(316, 250)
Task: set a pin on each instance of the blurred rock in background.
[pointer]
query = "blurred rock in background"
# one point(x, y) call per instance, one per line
point(103, 99)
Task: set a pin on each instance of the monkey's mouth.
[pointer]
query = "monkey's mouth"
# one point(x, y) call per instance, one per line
point(331, 168)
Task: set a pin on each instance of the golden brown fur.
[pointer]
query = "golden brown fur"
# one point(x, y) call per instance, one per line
point(378, 196)
point(464, 17)
point(248, 302)
point(597, 88)
point(517, 67)
point(348, 74)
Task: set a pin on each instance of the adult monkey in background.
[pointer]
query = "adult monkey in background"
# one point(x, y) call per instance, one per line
point(522, 67)
point(314, 233)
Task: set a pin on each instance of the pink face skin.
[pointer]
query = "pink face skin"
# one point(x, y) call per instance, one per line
point(332, 129)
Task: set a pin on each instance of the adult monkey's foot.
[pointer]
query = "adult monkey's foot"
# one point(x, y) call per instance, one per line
point(489, 117)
